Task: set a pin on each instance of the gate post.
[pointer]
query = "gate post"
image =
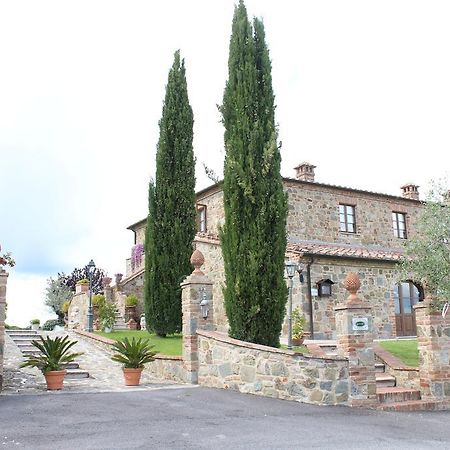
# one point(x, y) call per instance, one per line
point(354, 329)
point(433, 342)
point(196, 288)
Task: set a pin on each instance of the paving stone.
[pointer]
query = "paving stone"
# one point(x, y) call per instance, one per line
point(105, 375)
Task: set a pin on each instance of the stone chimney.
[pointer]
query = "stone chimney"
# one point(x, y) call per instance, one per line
point(410, 191)
point(305, 172)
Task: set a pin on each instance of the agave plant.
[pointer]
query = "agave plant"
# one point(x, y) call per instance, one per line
point(55, 353)
point(133, 354)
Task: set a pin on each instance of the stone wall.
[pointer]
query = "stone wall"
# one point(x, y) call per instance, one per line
point(78, 310)
point(3, 282)
point(227, 363)
point(314, 214)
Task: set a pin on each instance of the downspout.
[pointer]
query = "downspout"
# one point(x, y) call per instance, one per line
point(309, 295)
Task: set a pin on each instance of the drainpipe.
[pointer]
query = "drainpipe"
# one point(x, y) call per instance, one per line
point(309, 295)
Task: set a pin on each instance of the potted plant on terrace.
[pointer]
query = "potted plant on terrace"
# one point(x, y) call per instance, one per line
point(55, 354)
point(133, 355)
point(130, 307)
point(35, 324)
point(298, 324)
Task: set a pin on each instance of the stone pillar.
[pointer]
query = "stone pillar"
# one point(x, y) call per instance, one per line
point(3, 281)
point(195, 288)
point(354, 329)
point(433, 341)
point(107, 289)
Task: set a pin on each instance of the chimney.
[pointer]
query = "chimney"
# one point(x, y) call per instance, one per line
point(410, 191)
point(305, 172)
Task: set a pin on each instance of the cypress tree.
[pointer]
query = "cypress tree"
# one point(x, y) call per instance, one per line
point(172, 224)
point(254, 233)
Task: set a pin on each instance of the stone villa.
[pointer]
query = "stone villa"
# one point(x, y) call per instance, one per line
point(331, 231)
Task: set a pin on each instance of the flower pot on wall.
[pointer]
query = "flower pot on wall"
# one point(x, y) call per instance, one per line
point(132, 376)
point(297, 341)
point(55, 379)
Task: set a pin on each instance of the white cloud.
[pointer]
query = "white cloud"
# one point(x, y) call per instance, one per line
point(25, 296)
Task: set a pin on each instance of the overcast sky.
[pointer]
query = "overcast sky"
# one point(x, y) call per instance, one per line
point(362, 91)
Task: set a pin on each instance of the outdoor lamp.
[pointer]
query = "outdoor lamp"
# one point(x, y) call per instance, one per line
point(90, 316)
point(204, 308)
point(204, 304)
point(291, 268)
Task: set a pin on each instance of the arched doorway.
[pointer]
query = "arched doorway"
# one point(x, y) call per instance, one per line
point(406, 295)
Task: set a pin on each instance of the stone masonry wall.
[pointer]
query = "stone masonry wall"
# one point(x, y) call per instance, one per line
point(314, 215)
point(133, 285)
point(78, 309)
point(3, 282)
point(378, 280)
point(250, 368)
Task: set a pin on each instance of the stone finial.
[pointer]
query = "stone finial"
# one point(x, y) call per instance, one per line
point(411, 191)
point(352, 284)
point(118, 277)
point(305, 172)
point(106, 281)
point(197, 260)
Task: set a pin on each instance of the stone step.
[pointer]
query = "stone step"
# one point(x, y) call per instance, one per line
point(23, 334)
point(383, 380)
point(411, 405)
point(380, 368)
point(33, 351)
point(397, 394)
point(72, 365)
point(23, 347)
point(23, 340)
point(76, 374)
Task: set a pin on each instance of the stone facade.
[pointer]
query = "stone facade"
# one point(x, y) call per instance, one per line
point(227, 363)
point(315, 239)
point(3, 282)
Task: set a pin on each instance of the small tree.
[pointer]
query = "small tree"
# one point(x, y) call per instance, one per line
point(56, 294)
point(71, 280)
point(427, 254)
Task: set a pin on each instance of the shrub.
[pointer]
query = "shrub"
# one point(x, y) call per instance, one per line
point(83, 281)
point(107, 315)
point(98, 300)
point(50, 324)
point(131, 300)
point(65, 306)
point(35, 321)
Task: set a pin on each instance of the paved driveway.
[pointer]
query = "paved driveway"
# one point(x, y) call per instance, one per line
point(179, 417)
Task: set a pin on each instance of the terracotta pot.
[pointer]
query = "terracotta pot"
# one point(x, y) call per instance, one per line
point(132, 376)
point(55, 379)
point(297, 341)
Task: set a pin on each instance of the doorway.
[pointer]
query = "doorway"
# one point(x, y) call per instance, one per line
point(406, 295)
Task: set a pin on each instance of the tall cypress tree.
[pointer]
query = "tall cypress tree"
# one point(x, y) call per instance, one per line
point(254, 233)
point(171, 227)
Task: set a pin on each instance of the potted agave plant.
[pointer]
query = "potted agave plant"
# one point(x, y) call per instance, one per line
point(133, 355)
point(55, 353)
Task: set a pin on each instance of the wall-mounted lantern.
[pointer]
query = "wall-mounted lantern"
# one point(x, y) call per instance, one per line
point(204, 304)
point(324, 288)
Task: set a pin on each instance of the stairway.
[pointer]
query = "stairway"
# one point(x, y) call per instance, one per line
point(120, 324)
point(23, 339)
point(395, 398)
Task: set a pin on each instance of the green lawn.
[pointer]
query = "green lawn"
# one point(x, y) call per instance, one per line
point(298, 349)
point(405, 350)
point(170, 345)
